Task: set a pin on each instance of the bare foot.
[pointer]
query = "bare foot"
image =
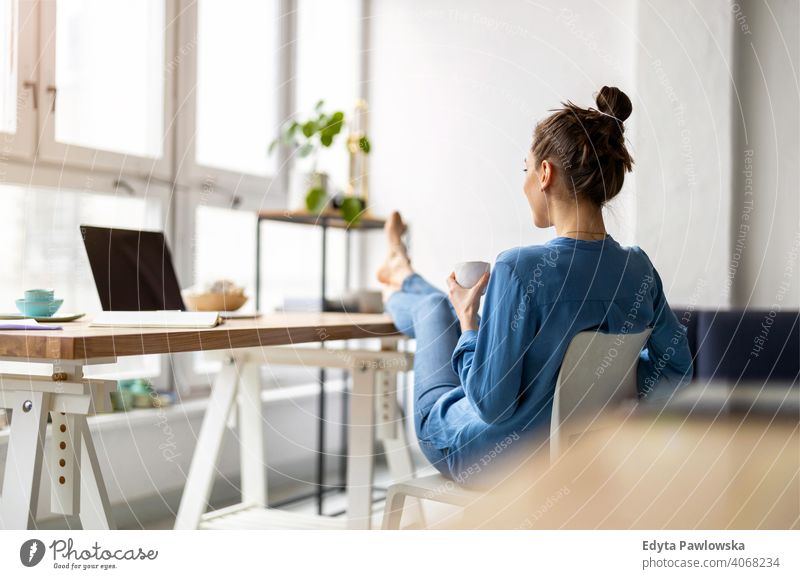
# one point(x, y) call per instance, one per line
point(394, 229)
point(396, 267)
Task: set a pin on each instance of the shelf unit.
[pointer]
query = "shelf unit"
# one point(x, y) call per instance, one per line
point(326, 220)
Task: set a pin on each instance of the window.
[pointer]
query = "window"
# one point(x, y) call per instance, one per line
point(328, 53)
point(256, 64)
point(19, 27)
point(105, 83)
point(109, 75)
point(328, 57)
point(179, 96)
point(286, 279)
point(8, 67)
point(237, 85)
point(225, 248)
point(42, 247)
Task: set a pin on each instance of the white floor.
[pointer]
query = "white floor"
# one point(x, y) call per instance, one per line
point(335, 503)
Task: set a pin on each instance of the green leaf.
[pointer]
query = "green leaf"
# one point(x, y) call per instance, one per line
point(328, 133)
point(305, 150)
point(335, 129)
point(335, 121)
point(319, 105)
point(315, 200)
point(364, 145)
point(352, 208)
point(309, 128)
point(292, 129)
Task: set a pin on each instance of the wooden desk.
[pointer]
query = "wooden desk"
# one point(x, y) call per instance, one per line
point(69, 397)
point(655, 471)
point(79, 341)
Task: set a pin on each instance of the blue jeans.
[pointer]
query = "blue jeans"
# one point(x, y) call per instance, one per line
point(423, 312)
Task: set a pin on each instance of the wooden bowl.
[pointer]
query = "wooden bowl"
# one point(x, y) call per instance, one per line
point(216, 302)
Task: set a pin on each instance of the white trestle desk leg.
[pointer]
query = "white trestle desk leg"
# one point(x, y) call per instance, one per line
point(360, 444)
point(21, 483)
point(64, 463)
point(95, 508)
point(251, 436)
point(204, 462)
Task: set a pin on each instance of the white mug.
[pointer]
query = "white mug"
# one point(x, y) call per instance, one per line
point(469, 272)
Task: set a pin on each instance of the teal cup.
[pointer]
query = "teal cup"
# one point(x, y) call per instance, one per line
point(39, 309)
point(39, 295)
point(39, 303)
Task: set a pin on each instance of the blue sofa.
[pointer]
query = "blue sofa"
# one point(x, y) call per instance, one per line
point(744, 345)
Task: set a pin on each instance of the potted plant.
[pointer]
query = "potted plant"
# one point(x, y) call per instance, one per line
point(307, 137)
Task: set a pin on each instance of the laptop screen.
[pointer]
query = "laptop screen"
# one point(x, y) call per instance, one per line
point(132, 270)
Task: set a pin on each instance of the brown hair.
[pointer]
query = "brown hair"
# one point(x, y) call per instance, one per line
point(588, 145)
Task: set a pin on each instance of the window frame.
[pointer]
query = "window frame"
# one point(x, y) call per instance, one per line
point(21, 144)
point(52, 151)
point(189, 173)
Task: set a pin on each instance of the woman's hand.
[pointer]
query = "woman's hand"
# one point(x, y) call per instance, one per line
point(466, 301)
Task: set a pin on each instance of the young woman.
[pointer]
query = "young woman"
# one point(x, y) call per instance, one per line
point(482, 384)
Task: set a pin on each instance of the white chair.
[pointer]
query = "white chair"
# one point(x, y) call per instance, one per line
point(598, 373)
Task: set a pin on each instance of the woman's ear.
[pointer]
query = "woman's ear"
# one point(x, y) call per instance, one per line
point(546, 175)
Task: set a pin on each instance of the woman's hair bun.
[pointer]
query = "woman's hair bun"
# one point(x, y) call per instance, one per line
point(614, 102)
point(588, 145)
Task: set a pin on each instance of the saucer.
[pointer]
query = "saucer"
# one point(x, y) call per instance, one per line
point(55, 319)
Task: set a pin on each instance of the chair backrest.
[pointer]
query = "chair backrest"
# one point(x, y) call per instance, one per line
point(598, 373)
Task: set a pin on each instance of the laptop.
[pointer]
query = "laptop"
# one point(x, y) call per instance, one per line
point(136, 280)
point(132, 270)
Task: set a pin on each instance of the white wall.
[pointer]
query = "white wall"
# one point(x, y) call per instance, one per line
point(683, 146)
point(766, 120)
point(456, 88)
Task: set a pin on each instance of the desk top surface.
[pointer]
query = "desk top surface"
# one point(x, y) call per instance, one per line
point(79, 341)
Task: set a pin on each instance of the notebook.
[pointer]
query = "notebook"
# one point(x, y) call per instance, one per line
point(157, 319)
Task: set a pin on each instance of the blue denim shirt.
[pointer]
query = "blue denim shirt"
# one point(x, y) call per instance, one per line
point(537, 299)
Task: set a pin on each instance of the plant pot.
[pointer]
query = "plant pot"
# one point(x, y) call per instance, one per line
point(300, 183)
point(121, 400)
